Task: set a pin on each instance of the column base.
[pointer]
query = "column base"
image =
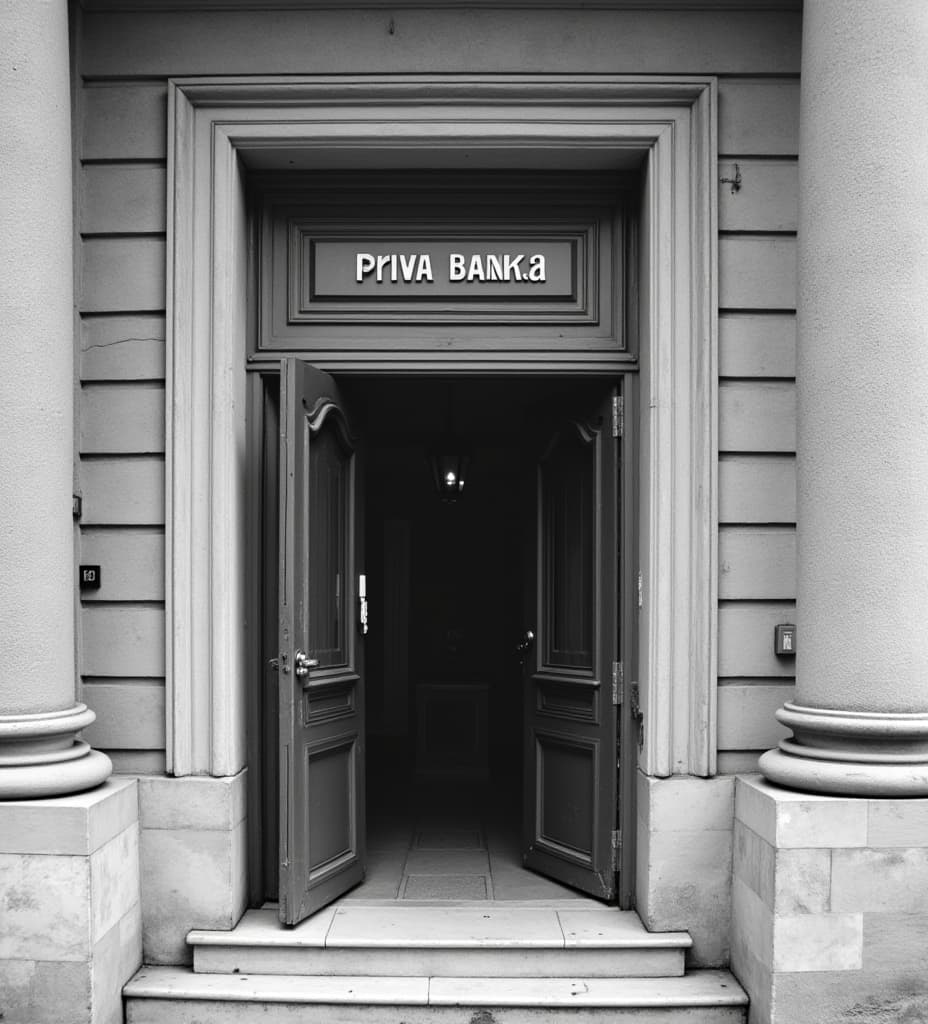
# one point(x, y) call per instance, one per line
point(41, 756)
point(73, 776)
point(851, 753)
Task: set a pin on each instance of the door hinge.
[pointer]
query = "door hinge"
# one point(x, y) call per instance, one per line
point(618, 415)
point(618, 683)
point(616, 848)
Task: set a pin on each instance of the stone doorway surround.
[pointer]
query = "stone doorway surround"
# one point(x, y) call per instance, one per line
point(217, 126)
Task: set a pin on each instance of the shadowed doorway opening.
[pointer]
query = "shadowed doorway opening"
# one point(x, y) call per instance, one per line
point(451, 592)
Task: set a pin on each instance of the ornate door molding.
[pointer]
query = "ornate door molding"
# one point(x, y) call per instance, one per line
point(217, 126)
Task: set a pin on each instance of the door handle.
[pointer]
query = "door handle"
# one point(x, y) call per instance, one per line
point(362, 604)
point(303, 663)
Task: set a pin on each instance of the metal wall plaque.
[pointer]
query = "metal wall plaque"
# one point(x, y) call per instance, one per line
point(90, 578)
point(784, 638)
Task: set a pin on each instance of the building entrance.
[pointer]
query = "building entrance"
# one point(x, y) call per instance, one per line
point(446, 670)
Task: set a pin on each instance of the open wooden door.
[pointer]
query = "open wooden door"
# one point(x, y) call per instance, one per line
point(322, 619)
point(572, 660)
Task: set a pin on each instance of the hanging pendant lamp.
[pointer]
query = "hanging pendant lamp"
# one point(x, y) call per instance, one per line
point(448, 470)
point(449, 459)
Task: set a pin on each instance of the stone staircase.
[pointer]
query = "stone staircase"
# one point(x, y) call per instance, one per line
point(473, 963)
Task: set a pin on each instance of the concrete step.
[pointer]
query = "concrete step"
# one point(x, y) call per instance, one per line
point(474, 940)
point(174, 995)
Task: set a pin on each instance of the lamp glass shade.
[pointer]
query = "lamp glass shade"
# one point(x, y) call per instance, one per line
point(449, 472)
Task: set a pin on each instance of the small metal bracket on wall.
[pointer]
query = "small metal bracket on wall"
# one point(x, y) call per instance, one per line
point(735, 182)
point(636, 712)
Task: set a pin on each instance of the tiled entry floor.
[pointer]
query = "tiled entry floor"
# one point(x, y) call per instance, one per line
point(425, 854)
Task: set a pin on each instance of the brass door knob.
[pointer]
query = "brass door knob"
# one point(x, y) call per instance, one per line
point(303, 664)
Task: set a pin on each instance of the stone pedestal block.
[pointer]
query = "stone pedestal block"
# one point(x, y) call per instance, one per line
point(193, 855)
point(684, 861)
point(70, 911)
point(829, 915)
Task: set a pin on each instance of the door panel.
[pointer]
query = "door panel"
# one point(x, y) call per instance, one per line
point(570, 718)
point(568, 523)
point(329, 468)
point(322, 843)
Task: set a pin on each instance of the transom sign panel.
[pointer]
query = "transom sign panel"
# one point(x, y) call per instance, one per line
point(368, 265)
point(445, 273)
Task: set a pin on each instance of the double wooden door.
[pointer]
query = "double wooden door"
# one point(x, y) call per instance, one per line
point(569, 729)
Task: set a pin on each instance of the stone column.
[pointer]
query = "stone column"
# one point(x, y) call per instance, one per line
point(860, 715)
point(39, 720)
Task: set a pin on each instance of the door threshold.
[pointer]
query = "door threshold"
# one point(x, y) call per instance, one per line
point(355, 939)
point(578, 902)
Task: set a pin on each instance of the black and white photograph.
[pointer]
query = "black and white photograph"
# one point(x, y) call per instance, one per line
point(464, 522)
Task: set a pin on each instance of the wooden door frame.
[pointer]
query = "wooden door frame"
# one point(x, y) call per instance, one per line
point(215, 126)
